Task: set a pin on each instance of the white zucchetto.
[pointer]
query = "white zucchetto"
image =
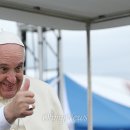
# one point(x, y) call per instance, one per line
point(10, 38)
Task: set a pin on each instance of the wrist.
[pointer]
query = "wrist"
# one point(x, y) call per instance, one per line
point(9, 115)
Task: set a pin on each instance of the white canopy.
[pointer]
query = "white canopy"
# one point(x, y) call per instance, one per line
point(67, 14)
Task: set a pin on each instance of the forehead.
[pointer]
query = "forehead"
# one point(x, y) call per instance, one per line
point(10, 45)
point(11, 52)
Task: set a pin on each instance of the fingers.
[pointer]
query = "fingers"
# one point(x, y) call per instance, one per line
point(29, 100)
point(28, 94)
point(26, 85)
point(30, 107)
point(25, 111)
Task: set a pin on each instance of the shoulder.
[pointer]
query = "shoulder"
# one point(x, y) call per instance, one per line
point(37, 83)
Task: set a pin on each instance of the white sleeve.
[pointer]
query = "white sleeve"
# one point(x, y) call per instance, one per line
point(4, 125)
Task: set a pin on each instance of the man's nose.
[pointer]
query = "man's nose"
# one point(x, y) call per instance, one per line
point(11, 77)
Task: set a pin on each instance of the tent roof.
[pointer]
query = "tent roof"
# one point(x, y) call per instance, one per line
point(67, 11)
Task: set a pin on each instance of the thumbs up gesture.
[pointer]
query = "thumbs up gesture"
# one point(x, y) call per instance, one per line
point(26, 85)
point(20, 104)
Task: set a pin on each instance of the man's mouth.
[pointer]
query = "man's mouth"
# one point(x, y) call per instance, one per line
point(8, 87)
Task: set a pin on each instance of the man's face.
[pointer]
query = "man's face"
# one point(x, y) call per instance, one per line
point(11, 69)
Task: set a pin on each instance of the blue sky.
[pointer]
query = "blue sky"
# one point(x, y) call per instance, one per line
point(110, 50)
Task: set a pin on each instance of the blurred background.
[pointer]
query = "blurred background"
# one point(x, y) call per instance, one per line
point(110, 49)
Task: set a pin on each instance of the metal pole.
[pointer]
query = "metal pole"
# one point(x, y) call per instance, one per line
point(60, 69)
point(40, 51)
point(90, 121)
point(58, 66)
point(23, 35)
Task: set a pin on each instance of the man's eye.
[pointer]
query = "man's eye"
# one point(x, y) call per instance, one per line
point(3, 69)
point(19, 69)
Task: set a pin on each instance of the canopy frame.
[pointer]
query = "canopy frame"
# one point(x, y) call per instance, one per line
point(64, 15)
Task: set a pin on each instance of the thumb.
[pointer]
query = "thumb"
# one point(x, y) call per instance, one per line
point(26, 85)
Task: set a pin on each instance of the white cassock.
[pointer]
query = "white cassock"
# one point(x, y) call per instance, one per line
point(48, 114)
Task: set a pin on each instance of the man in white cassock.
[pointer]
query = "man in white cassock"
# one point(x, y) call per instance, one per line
point(25, 103)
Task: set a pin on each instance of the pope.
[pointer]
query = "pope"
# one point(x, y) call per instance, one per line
point(25, 103)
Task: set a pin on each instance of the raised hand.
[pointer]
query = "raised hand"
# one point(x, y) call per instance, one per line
point(26, 85)
point(19, 106)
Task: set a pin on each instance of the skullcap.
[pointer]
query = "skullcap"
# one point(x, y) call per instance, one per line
point(9, 38)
